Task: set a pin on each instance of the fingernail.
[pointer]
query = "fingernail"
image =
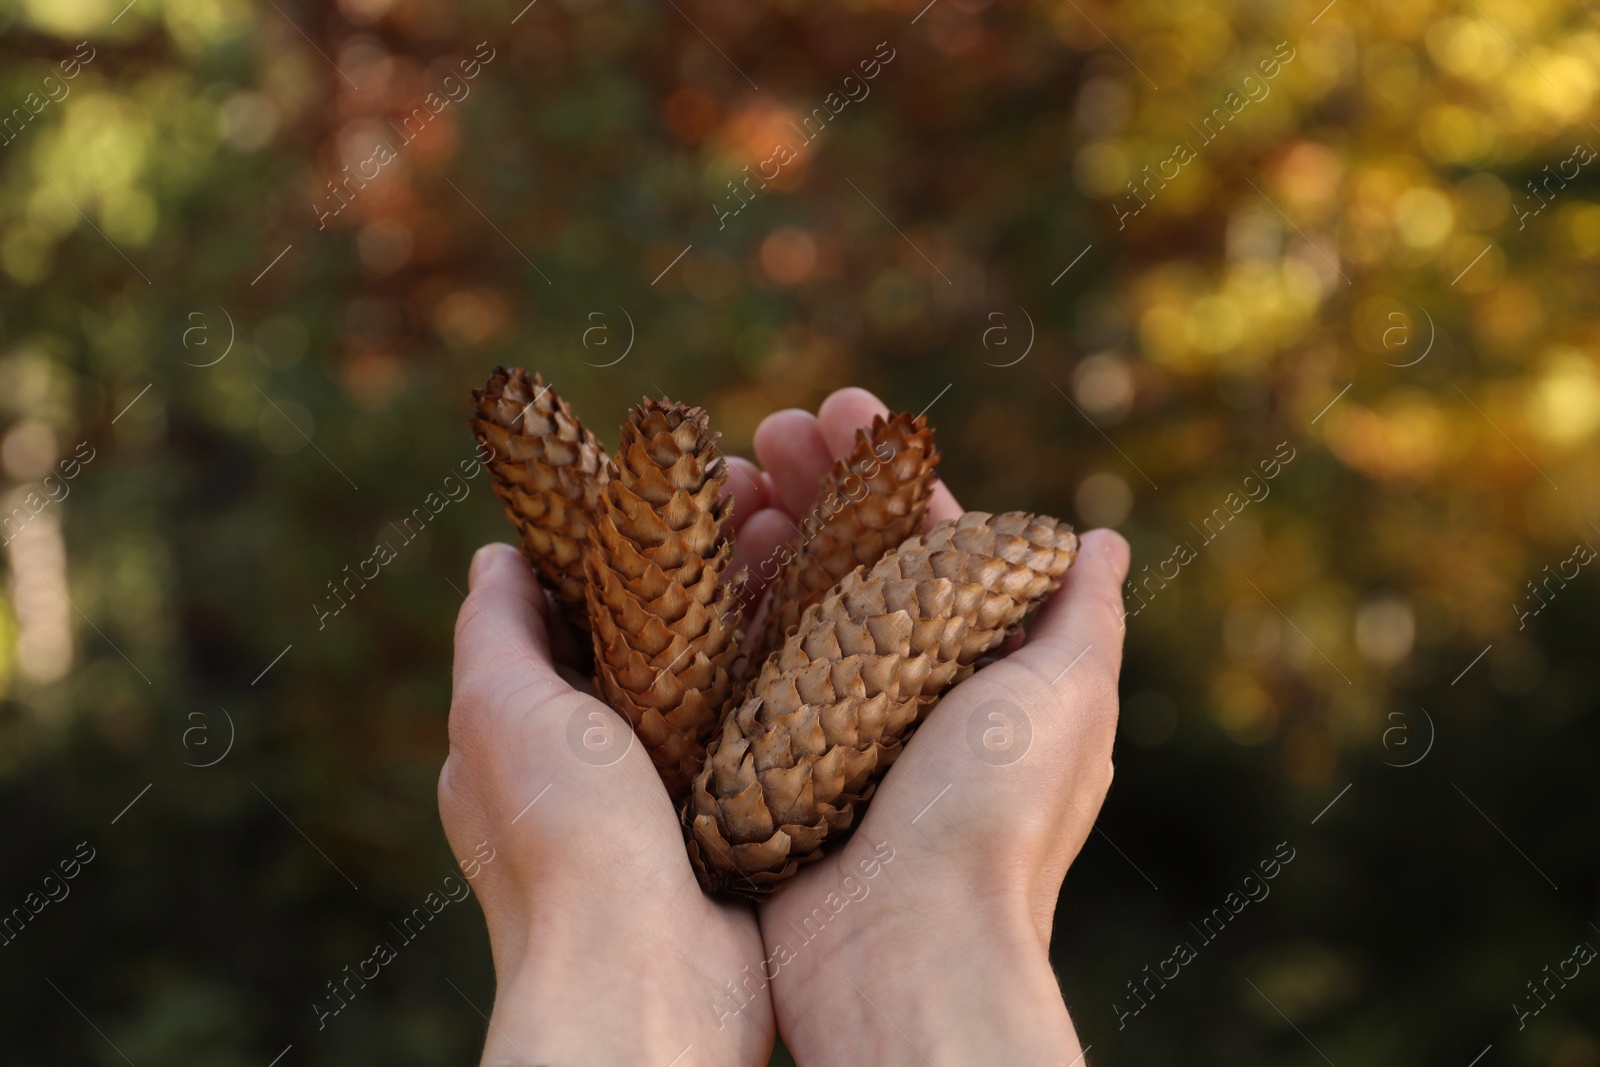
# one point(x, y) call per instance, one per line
point(482, 561)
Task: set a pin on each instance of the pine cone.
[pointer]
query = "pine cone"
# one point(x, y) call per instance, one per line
point(800, 758)
point(867, 505)
point(547, 468)
point(666, 625)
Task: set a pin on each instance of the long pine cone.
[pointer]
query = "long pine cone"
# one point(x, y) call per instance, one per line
point(666, 623)
point(547, 468)
point(798, 760)
point(870, 502)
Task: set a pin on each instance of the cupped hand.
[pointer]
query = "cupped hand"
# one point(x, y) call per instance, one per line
point(925, 939)
point(605, 949)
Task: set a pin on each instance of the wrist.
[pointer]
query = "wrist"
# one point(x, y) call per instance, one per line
point(574, 987)
point(612, 987)
point(946, 994)
point(545, 1020)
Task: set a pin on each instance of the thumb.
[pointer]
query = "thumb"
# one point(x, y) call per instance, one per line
point(504, 614)
point(1080, 629)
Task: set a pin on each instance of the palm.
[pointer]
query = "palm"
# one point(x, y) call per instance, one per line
point(585, 752)
point(956, 821)
point(625, 806)
point(580, 822)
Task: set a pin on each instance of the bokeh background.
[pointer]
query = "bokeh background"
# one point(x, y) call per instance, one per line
point(1383, 259)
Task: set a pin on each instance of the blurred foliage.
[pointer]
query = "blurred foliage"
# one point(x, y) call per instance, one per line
point(1390, 224)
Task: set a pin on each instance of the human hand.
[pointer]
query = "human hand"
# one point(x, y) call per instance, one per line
point(925, 939)
point(605, 949)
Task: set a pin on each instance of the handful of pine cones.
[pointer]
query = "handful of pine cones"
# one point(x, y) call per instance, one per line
point(770, 747)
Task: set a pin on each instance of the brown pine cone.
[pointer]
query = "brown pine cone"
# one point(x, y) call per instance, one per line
point(666, 624)
point(798, 760)
point(867, 505)
point(547, 468)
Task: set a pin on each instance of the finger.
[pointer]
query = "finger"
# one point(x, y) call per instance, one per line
point(757, 548)
point(845, 412)
point(504, 616)
point(749, 493)
point(941, 505)
point(848, 410)
point(1080, 630)
point(789, 445)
